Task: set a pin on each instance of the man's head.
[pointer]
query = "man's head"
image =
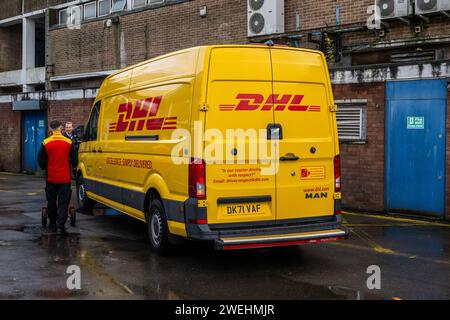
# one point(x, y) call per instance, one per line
point(69, 127)
point(55, 125)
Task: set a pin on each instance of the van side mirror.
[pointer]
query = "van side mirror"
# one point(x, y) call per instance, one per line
point(79, 133)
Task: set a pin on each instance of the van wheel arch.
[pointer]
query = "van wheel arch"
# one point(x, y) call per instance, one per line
point(78, 173)
point(151, 195)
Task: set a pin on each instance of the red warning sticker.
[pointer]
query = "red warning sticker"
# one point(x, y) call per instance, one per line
point(312, 173)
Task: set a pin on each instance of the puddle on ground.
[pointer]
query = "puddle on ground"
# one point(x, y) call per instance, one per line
point(60, 250)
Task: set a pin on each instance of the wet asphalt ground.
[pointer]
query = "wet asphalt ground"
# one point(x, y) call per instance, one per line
point(116, 262)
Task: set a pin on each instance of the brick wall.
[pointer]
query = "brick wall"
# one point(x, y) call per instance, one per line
point(11, 48)
point(152, 32)
point(146, 34)
point(10, 136)
point(77, 111)
point(319, 14)
point(87, 49)
point(363, 165)
point(10, 8)
point(33, 5)
point(439, 26)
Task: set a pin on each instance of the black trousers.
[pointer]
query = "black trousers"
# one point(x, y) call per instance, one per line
point(58, 199)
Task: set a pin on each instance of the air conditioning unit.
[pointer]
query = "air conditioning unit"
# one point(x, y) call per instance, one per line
point(390, 9)
point(265, 17)
point(430, 6)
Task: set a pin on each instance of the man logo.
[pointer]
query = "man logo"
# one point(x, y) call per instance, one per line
point(322, 195)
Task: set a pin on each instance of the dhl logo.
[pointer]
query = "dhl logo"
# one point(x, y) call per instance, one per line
point(252, 102)
point(142, 115)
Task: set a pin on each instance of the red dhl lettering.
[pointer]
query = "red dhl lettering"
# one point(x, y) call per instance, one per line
point(277, 102)
point(142, 116)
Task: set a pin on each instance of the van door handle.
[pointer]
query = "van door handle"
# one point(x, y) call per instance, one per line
point(100, 150)
point(289, 157)
point(93, 150)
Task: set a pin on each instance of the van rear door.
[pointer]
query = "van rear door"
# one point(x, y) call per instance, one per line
point(305, 177)
point(239, 82)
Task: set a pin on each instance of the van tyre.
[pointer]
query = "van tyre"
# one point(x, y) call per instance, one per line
point(158, 232)
point(84, 203)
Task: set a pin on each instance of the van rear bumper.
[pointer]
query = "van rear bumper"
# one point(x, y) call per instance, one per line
point(252, 242)
point(266, 234)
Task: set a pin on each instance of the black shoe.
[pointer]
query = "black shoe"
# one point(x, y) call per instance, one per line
point(52, 228)
point(63, 232)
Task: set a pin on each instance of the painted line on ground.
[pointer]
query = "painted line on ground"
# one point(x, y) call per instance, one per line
point(91, 265)
point(10, 191)
point(391, 252)
point(374, 245)
point(407, 220)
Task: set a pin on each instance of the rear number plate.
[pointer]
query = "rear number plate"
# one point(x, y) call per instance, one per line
point(249, 208)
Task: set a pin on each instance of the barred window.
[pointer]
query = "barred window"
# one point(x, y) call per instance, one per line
point(352, 121)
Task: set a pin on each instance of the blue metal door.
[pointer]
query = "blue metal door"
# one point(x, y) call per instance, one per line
point(415, 146)
point(34, 132)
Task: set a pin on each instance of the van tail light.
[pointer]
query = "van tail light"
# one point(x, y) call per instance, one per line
point(337, 173)
point(198, 221)
point(197, 186)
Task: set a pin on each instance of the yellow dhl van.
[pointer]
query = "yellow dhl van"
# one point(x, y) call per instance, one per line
point(233, 144)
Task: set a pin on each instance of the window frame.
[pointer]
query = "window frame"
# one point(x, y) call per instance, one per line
point(98, 8)
point(149, 2)
point(80, 7)
point(122, 9)
point(88, 134)
point(354, 104)
point(141, 6)
point(94, 3)
point(66, 10)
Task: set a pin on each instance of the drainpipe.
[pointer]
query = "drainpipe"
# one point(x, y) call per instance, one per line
point(46, 63)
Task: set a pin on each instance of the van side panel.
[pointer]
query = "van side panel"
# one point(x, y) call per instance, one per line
point(159, 103)
point(101, 179)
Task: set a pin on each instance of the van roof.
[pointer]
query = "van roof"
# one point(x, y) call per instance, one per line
point(198, 48)
point(207, 48)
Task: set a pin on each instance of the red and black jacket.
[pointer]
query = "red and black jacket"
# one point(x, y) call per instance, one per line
point(57, 155)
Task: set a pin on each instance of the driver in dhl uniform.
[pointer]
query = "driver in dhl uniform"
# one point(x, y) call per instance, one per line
point(57, 155)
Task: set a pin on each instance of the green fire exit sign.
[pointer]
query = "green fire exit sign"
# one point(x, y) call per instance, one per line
point(416, 123)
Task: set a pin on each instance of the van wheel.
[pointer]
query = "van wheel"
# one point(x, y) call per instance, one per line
point(158, 232)
point(84, 203)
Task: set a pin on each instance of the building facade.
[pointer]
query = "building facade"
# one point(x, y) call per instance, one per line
point(55, 54)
